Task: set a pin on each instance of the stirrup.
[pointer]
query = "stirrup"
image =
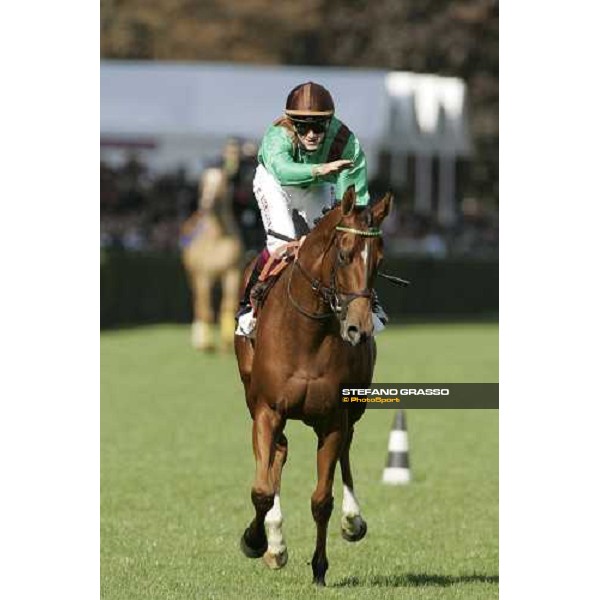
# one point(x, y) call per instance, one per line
point(258, 292)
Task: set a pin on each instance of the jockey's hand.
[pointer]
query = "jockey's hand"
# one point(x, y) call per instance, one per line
point(333, 168)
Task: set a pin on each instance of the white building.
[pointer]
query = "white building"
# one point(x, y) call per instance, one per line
point(180, 114)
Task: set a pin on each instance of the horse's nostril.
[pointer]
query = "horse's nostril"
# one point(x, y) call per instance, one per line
point(353, 334)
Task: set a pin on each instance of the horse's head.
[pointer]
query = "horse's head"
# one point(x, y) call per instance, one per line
point(356, 252)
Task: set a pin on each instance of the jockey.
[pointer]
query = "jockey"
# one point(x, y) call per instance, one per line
point(307, 159)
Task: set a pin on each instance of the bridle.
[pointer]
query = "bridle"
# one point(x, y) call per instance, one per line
point(337, 299)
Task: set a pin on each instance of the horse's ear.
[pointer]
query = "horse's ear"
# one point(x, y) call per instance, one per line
point(382, 208)
point(348, 201)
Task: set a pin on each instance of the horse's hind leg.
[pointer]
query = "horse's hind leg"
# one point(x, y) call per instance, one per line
point(276, 555)
point(330, 444)
point(354, 527)
point(266, 428)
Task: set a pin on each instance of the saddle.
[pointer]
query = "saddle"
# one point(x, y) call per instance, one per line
point(274, 267)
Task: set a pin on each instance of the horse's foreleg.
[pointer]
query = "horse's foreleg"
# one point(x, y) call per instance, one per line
point(330, 445)
point(354, 527)
point(266, 428)
point(230, 282)
point(202, 328)
point(276, 555)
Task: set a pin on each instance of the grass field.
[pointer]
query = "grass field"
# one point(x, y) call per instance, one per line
point(177, 469)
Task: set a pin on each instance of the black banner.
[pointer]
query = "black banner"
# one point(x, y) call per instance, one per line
point(421, 395)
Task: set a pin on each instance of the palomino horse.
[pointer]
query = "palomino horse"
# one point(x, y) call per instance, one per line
point(211, 251)
point(314, 333)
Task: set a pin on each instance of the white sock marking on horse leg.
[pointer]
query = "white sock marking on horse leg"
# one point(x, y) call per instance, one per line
point(273, 527)
point(352, 522)
point(350, 507)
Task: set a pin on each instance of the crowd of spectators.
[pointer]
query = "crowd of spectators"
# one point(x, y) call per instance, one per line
point(139, 211)
point(474, 233)
point(143, 212)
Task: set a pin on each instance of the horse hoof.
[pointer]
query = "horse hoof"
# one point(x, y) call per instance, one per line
point(276, 561)
point(319, 581)
point(355, 530)
point(249, 550)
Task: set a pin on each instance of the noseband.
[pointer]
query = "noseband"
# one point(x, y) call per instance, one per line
point(338, 300)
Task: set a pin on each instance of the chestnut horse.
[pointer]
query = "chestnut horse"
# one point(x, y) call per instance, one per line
point(314, 333)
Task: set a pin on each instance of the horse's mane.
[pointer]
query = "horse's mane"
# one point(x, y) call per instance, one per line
point(325, 211)
point(331, 216)
point(330, 211)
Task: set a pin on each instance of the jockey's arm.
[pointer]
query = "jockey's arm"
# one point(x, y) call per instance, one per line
point(277, 156)
point(356, 175)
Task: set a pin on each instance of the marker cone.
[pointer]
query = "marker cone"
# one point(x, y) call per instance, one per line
point(397, 469)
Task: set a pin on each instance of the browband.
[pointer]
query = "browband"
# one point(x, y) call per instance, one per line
point(371, 232)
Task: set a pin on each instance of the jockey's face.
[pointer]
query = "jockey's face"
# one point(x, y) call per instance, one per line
point(311, 134)
point(311, 140)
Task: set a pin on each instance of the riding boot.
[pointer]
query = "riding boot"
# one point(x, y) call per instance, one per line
point(244, 318)
point(245, 304)
point(380, 317)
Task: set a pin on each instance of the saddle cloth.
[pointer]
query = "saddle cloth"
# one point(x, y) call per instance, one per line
point(275, 265)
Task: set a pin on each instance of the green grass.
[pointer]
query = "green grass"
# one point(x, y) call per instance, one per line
point(177, 469)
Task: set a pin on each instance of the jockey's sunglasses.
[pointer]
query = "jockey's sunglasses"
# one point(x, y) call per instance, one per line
point(303, 126)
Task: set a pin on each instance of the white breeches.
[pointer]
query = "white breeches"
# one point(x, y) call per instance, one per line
point(277, 202)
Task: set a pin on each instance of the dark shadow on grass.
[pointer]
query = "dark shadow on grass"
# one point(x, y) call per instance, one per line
point(414, 580)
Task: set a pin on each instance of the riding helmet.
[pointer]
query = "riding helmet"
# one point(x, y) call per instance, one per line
point(309, 99)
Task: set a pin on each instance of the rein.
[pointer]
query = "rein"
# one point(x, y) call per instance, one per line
point(338, 300)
